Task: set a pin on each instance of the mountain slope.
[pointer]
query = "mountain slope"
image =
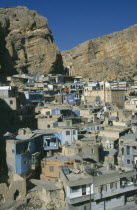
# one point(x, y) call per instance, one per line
point(108, 57)
point(26, 43)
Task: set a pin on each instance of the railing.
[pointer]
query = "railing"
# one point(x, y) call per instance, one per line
point(127, 185)
point(113, 192)
point(51, 147)
point(79, 199)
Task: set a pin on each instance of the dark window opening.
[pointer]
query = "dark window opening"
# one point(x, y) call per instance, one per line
point(42, 165)
point(67, 133)
point(74, 132)
point(128, 161)
point(2, 199)
point(83, 189)
point(74, 189)
point(51, 168)
point(128, 150)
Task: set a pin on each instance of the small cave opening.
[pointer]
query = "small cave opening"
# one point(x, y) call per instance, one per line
point(16, 195)
point(2, 199)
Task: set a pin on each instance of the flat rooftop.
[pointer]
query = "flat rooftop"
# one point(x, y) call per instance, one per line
point(44, 131)
point(63, 158)
point(78, 177)
point(131, 144)
point(40, 184)
point(129, 136)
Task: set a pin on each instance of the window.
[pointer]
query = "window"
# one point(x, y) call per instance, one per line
point(13, 151)
point(83, 189)
point(128, 161)
point(79, 150)
point(105, 187)
point(77, 161)
point(55, 124)
point(48, 126)
point(99, 189)
point(47, 113)
point(128, 150)
point(42, 165)
point(74, 132)
point(51, 168)
point(11, 102)
point(67, 133)
point(25, 162)
point(74, 189)
point(92, 150)
point(121, 143)
point(111, 185)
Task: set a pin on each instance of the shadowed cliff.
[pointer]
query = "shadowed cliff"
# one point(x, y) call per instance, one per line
point(26, 43)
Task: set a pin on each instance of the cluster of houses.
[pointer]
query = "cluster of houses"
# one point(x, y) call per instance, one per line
point(79, 135)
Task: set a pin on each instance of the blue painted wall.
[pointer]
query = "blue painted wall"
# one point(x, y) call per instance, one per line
point(23, 163)
point(55, 112)
point(23, 153)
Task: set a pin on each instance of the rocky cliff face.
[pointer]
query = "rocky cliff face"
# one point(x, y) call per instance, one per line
point(108, 57)
point(26, 43)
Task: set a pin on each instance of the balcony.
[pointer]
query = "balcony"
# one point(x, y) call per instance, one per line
point(79, 199)
point(128, 187)
point(51, 144)
point(34, 160)
point(51, 147)
point(113, 192)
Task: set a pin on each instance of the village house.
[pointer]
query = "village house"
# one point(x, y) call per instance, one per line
point(97, 188)
point(131, 103)
point(50, 166)
point(129, 138)
point(23, 153)
point(85, 145)
point(130, 154)
point(105, 92)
